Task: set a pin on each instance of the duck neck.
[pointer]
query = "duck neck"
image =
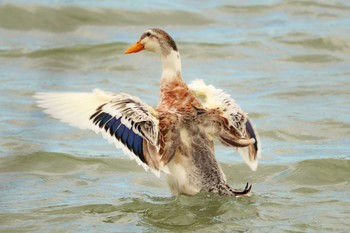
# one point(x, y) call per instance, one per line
point(171, 63)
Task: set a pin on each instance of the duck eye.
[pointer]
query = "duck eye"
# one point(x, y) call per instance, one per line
point(148, 34)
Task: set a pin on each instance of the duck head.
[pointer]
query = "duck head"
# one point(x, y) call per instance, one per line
point(154, 40)
point(158, 41)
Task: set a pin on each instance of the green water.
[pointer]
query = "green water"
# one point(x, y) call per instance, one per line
point(66, 193)
point(285, 62)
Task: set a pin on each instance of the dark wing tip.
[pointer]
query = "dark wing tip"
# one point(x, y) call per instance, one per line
point(252, 134)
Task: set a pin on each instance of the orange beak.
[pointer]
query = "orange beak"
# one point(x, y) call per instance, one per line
point(135, 48)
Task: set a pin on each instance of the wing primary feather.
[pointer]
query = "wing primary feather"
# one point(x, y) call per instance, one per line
point(252, 134)
point(130, 140)
point(138, 147)
point(110, 123)
point(125, 135)
point(119, 132)
point(93, 115)
point(114, 125)
point(99, 117)
point(104, 120)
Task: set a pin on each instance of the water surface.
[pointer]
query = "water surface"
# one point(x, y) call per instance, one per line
point(285, 62)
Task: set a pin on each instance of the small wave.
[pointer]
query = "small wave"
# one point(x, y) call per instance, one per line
point(311, 92)
point(313, 58)
point(101, 55)
point(291, 6)
point(212, 51)
point(311, 172)
point(306, 190)
point(75, 57)
point(292, 135)
point(81, 50)
point(101, 50)
point(247, 8)
point(319, 172)
point(315, 172)
point(69, 18)
point(47, 163)
point(187, 212)
point(327, 43)
point(328, 5)
point(90, 209)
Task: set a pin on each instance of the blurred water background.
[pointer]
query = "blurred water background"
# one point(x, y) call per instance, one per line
point(285, 62)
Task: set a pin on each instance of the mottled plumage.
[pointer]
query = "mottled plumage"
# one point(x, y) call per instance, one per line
point(178, 136)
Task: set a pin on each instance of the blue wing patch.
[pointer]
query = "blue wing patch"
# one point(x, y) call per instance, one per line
point(112, 125)
point(120, 131)
point(127, 136)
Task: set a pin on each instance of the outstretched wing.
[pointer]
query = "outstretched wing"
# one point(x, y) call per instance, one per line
point(235, 128)
point(122, 119)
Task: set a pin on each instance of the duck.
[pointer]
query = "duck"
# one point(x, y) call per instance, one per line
point(177, 137)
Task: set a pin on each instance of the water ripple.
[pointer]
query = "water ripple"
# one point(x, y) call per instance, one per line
point(69, 18)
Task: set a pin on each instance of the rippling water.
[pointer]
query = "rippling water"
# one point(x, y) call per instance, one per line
point(285, 62)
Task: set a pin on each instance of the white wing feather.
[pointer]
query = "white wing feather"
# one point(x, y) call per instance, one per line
point(77, 109)
point(214, 98)
point(217, 99)
point(72, 107)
